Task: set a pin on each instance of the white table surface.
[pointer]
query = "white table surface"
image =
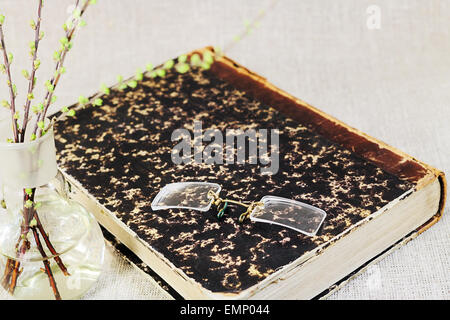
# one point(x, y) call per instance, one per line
point(392, 83)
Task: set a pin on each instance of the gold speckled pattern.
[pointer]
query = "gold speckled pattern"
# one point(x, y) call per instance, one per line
point(121, 153)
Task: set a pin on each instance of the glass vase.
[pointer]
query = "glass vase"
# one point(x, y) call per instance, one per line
point(51, 247)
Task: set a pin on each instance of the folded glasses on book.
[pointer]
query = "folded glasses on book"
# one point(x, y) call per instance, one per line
point(200, 196)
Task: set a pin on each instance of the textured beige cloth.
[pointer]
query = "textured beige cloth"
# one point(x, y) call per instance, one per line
point(392, 82)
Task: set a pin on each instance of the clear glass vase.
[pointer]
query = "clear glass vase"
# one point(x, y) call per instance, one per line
point(51, 247)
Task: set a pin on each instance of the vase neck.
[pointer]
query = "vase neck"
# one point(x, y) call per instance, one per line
point(27, 165)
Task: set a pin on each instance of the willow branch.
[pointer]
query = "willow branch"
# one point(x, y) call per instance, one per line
point(250, 26)
point(31, 84)
point(48, 270)
point(22, 246)
point(59, 65)
point(7, 274)
point(10, 85)
point(49, 245)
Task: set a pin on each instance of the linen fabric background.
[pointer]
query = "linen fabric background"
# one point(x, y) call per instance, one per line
point(392, 83)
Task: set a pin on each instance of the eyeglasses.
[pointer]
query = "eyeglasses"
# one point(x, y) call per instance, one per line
point(200, 196)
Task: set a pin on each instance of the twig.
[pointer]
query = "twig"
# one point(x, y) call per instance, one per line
point(15, 275)
point(49, 245)
point(48, 270)
point(250, 26)
point(55, 80)
point(7, 275)
point(12, 271)
point(10, 85)
point(63, 115)
point(23, 243)
point(31, 84)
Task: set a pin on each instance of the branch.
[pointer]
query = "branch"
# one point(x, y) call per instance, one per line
point(8, 272)
point(59, 65)
point(49, 245)
point(48, 270)
point(34, 66)
point(10, 85)
point(250, 26)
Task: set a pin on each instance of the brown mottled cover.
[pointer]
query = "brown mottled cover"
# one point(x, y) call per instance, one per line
point(120, 154)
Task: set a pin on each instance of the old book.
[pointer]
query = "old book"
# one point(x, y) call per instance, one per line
point(118, 156)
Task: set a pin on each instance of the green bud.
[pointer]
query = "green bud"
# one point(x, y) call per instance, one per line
point(139, 75)
point(32, 24)
point(149, 67)
point(37, 205)
point(82, 23)
point(169, 64)
point(92, 1)
point(182, 67)
point(160, 73)
point(65, 109)
point(56, 56)
point(71, 113)
point(105, 89)
point(77, 13)
point(2, 18)
point(195, 60)
point(41, 125)
point(28, 204)
point(29, 191)
point(33, 137)
point(49, 86)
point(10, 57)
point(208, 57)
point(119, 78)
point(98, 102)
point(182, 58)
point(37, 63)
point(132, 84)
point(26, 74)
point(33, 223)
point(64, 41)
point(54, 99)
point(41, 35)
point(5, 104)
point(2, 68)
point(30, 96)
point(83, 100)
